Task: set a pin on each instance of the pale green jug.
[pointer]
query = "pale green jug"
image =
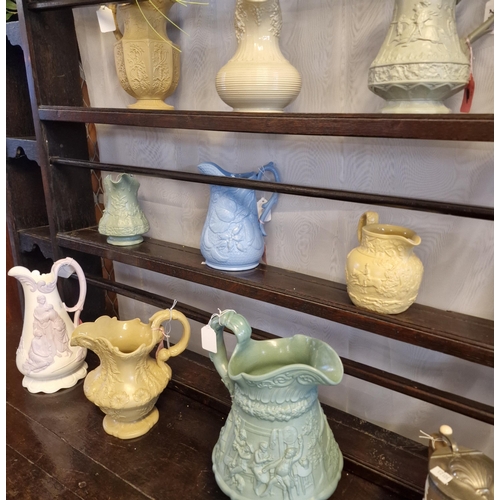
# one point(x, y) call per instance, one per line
point(276, 440)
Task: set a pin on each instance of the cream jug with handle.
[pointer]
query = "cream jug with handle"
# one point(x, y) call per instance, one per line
point(45, 356)
point(383, 274)
point(128, 382)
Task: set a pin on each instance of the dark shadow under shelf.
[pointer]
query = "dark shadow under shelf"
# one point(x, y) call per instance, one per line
point(459, 335)
point(452, 127)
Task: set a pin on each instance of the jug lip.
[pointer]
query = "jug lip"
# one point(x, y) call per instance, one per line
point(318, 376)
point(115, 320)
point(387, 231)
point(225, 173)
point(300, 369)
point(35, 274)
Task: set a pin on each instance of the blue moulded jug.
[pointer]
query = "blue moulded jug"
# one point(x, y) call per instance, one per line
point(233, 235)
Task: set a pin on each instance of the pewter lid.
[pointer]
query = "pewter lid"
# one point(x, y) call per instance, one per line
point(470, 471)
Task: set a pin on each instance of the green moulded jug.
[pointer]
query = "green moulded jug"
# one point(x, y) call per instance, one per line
point(276, 440)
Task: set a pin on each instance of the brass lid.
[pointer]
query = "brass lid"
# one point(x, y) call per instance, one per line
point(460, 473)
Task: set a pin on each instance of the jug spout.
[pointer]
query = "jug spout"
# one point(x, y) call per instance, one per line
point(19, 271)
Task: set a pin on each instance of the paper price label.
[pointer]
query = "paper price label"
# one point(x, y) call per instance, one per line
point(443, 476)
point(209, 339)
point(260, 210)
point(106, 19)
point(489, 10)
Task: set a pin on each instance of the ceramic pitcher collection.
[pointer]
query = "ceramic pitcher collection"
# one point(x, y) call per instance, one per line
point(276, 440)
point(421, 63)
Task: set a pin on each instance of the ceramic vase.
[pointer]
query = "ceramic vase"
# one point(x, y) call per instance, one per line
point(122, 220)
point(276, 441)
point(258, 78)
point(232, 238)
point(383, 274)
point(128, 381)
point(44, 355)
point(148, 65)
point(422, 60)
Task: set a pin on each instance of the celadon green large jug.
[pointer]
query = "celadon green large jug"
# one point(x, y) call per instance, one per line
point(276, 440)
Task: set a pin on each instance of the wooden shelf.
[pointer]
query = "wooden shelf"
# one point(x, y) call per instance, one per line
point(452, 333)
point(27, 144)
point(433, 127)
point(453, 402)
point(378, 464)
point(37, 236)
point(456, 209)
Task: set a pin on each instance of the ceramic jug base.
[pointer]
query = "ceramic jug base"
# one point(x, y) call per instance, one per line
point(150, 104)
point(53, 385)
point(317, 495)
point(415, 107)
point(259, 110)
point(222, 267)
point(123, 241)
point(130, 430)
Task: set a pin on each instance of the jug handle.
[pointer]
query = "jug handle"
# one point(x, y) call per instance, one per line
point(168, 314)
point(266, 207)
point(63, 268)
point(365, 219)
point(481, 30)
point(240, 327)
point(118, 34)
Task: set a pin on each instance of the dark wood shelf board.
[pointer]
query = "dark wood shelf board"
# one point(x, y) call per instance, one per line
point(17, 146)
point(62, 4)
point(452, 333)
point(453, 402)
point(453, 127)
point(37, 236)
point(472, 211)
point(192, 410)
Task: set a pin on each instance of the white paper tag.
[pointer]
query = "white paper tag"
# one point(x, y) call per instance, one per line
point(260, 209)
point(106, 19)
point(443, 476)
point(209, 339)
point(65, 271)
point(488, 10)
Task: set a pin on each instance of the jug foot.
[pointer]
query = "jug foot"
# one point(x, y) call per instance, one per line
point(130, 430)
point(259, 110)
point(150, 104)
point(50, 386)
point(125, 240)
point(230, 267)
point(415, 107)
